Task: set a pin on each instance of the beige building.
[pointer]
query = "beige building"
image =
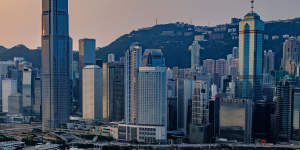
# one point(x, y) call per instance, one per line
point(92, 93)
point(291, 53)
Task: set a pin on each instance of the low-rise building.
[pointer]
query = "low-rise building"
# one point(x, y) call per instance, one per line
point(47, 147)
point(11, 145)
point(141, 133)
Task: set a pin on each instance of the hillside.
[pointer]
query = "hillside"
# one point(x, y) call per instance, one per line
point(174, 39)
point(21, 51)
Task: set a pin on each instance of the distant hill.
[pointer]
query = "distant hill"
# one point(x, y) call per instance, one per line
point(30, 55)
point(175, 38)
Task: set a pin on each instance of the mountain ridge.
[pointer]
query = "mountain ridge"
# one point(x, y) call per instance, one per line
point(174, 40)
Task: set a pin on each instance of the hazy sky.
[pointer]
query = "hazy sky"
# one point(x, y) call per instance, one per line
point(106, 20)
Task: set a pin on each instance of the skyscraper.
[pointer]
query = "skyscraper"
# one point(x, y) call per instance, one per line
point(27, 90)
point(234, 68)
point(200, 94)
point(214, 117)
point(15, 104)
point(184, 97)
point(200, 112)
point(251, 30)
point(221, 67)
point(133, 60)
point(296, 114)
point(290, 58)
point(153, 57)
point(209, 66)
point(55, 75)
point(284, 109)
point(9, 87)
point(87, 56)
point(235, 52)
point(92, 95)
point(195, 55)
point(37, 107)
point(228, 64)
point(152, 96)
point(269, 61)
point(113, 91)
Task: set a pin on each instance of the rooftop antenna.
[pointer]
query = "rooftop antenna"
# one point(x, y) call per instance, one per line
point(252, 6)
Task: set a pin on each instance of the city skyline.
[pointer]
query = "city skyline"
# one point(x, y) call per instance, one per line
point(156, 87)
point(96, 24)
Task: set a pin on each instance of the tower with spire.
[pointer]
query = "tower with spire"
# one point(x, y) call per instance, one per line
point(251, 30)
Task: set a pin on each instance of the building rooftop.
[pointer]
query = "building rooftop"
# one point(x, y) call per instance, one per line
point(91, 67)
point(252, 15)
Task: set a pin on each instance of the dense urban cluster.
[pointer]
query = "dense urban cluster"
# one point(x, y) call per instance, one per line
point(242, 99)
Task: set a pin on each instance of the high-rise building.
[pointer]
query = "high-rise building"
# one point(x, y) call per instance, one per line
point(15, 104)
point(87, 56)
point(228, 64)
point(200, 112)
point(290, 58)
point(105, 92)
point(152, 96)
point(172, 102)
point(110, 58)
point(184, 98)
point(234, 69)
point(92, 95)
point(262, 128)
point(209, 66)
point(221, 67)
point(113, 92)
point(269, 61)
point(232, 119)
point(133, 60)
point(214, 118)
point(296, 115)
point(284, 104)
point(195, 55)
point(9, 87)
point(55, 70)
point(200, 94)
point(4, 65)
point(27, 90)
point(87, 52)
point(37, 107)
point(251, 30)
point(153, 57)
point(235, 52)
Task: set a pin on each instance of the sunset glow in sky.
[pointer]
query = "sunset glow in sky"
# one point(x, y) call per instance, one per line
point(106, 20)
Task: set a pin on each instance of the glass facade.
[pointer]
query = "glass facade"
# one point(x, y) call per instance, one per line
point(251, 56)
point(152, 97)
point(56, 84)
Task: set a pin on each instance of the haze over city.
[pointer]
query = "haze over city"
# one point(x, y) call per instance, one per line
point(106, 20)
point(149, 74)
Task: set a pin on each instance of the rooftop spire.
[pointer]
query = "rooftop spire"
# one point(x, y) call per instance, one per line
point(252, 6)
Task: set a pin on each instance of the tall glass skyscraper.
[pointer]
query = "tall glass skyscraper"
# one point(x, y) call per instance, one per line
point(56, 84)
point(133, 60)
point(251, 56)
point(152, 96)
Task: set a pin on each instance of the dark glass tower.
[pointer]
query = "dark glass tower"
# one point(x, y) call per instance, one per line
point(56, 83)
